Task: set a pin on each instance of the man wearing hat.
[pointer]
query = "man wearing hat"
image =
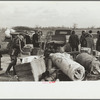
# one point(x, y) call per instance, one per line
point(17, 44)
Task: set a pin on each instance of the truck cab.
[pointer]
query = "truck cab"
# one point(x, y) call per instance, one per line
point(61, 36)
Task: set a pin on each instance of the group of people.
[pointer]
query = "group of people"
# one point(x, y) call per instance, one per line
point(86, 40)
point(34, 39)
point(17, 43)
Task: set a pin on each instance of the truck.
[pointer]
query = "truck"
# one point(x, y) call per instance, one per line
point(61, 36)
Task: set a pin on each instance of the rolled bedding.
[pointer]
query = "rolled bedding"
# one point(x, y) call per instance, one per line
point(72, 69)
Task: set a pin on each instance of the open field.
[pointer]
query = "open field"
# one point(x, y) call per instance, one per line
point(5, 60)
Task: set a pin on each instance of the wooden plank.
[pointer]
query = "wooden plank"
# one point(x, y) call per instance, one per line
point(26, 78)
point(31, 71)
point(24, 73)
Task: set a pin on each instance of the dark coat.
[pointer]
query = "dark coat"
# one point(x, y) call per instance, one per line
point(83, 41)
point(28, 39)
point(74, 40)
point(90, 42)
point(98, 44)
point(35, 40)
point(0, 54)
point(16, 45)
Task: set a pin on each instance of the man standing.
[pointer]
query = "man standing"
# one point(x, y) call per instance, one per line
point(35, 39)
point(83, 39)
point(27, 38)
point(98, 41)
point(90, 33)
point(90, 41)
point(0, 60)
point(17, 44)
point(74, 41)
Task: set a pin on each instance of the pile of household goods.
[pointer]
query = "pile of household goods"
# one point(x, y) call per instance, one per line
point(59, 66)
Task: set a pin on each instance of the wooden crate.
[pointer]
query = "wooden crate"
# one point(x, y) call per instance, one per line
point(30, 71)
point(24, 72)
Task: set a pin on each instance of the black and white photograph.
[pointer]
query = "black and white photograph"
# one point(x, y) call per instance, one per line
point(49, 42)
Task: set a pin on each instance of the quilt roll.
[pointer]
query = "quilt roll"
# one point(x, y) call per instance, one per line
point(74, 70)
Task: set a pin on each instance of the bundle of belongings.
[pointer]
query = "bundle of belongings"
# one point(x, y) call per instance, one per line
point(60, 66)
point(96, 54)
point(85, 49)
point(85, 67)
point(91, 65)
point(27, 49)
point(65, 67)
point(69, 67)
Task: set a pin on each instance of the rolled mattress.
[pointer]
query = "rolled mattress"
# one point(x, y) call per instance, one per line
point(72, 69)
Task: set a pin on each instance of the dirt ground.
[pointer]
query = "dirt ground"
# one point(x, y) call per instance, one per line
point(5, 60)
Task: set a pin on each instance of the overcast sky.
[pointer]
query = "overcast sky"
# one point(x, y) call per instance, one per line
point(49, 13)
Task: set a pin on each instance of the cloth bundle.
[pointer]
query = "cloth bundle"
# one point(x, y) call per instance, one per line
point(90, 63)
point(69, 67)
point(86, 49)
